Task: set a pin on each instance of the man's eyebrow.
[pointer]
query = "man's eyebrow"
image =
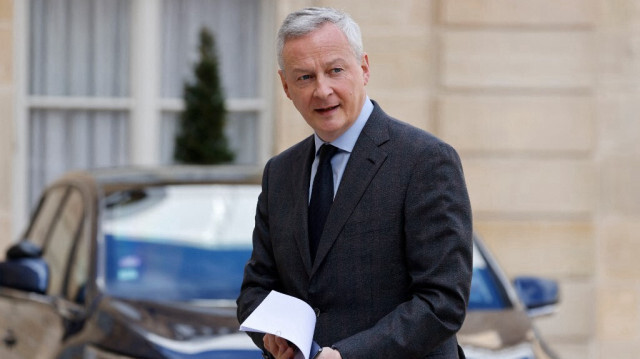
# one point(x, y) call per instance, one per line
point(300, 70)
point(335, 61)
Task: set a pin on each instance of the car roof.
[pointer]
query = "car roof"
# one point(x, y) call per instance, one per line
point(107, 180)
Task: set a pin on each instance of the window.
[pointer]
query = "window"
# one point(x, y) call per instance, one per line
point(44, 217)
point(64, 233)
point(77, 87)
point(105, 77)
point(178, 242)
point(81, 258)
point(236, 25)
point(487, 291)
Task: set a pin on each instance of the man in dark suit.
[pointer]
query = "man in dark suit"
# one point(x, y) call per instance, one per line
point(389, 272)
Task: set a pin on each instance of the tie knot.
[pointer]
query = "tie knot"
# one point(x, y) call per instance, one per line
point(326, 152)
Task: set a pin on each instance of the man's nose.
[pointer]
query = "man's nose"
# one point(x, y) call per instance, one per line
point(323, 87)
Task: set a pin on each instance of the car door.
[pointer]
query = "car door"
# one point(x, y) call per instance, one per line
point(36, 322)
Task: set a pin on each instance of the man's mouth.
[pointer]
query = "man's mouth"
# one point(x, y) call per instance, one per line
point(326, 109)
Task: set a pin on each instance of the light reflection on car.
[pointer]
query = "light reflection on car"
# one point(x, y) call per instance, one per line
point(148, 264)
point(178, 243)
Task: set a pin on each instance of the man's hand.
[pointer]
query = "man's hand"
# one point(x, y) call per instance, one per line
point(278, 347)
point(281, 349)
point(329, 353)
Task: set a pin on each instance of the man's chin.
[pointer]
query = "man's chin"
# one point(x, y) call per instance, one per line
point(329, 135)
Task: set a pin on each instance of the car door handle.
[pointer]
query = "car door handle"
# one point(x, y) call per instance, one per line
point(10, 338)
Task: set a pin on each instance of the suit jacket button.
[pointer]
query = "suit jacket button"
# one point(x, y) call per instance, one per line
point(317, 311)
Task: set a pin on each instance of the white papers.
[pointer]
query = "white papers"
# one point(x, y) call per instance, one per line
point(285, 316)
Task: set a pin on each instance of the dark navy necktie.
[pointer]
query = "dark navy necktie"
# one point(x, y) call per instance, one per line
point(321, 197)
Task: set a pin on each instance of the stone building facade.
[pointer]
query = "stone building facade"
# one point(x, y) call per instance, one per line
point(542, 100)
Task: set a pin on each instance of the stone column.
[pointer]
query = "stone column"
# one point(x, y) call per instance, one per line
point(618, 157)
point(6, 121)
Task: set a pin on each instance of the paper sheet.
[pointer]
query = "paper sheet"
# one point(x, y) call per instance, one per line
point(285, 316)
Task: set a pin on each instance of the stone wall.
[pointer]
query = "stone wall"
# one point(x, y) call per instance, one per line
point(517, 98)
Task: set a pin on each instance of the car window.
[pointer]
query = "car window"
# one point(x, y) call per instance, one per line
point(46, 212)
point(486, 291)
point(178, 243)
point(63, 234)
point(79, 271)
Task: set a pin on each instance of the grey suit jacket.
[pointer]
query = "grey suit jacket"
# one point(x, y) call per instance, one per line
point(393, 269)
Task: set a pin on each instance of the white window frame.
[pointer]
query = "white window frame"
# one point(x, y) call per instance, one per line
point(145, 105)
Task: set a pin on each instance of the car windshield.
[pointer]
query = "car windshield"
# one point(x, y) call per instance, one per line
point(178, 243)
point(486, 291)
point(191, 242)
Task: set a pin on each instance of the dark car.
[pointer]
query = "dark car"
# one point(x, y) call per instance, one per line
point(499, 317)
point(147, 263)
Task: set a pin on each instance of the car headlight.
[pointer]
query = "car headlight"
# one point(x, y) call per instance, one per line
point(91, 352)
point(521, 351)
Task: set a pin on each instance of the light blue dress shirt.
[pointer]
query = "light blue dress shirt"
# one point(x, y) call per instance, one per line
point(345, 144)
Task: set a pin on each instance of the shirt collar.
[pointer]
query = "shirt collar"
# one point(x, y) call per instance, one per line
point(347, 140)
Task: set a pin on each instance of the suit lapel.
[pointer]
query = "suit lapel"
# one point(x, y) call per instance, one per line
point(364, 162)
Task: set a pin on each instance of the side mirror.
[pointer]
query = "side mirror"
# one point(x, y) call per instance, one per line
point(537, 294)
point(24, 269)
point(24, 249)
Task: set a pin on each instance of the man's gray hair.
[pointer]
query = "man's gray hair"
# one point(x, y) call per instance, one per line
point(302, 22)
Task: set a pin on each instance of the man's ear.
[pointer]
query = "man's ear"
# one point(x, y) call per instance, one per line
point(365, 67)
point(285, 87)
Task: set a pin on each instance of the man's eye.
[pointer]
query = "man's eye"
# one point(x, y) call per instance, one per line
point(337, 70)
point(304, 77)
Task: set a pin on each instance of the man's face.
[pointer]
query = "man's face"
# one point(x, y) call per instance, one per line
point(324, 80)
